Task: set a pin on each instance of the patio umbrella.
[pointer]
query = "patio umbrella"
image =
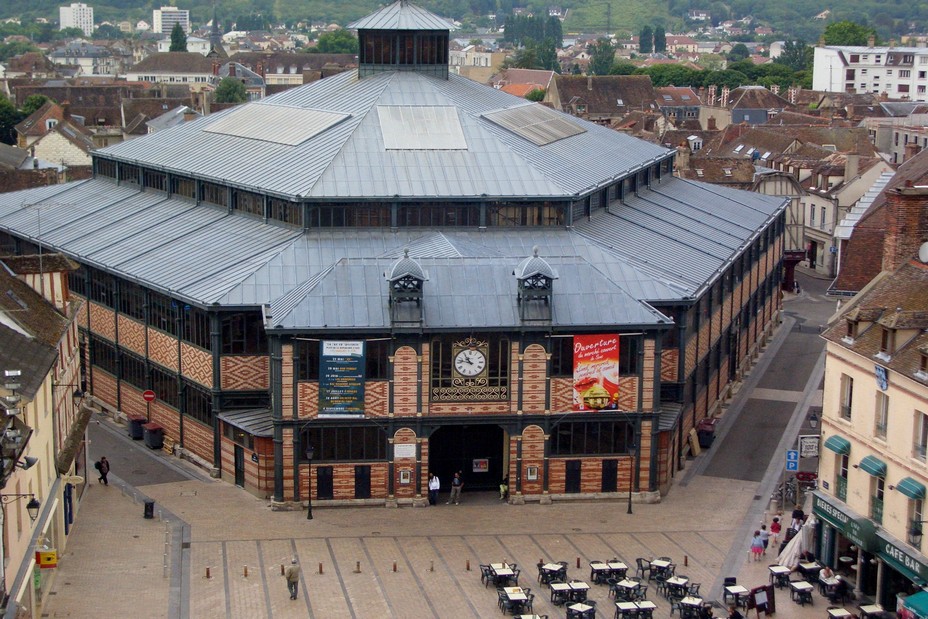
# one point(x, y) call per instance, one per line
point(801, 542)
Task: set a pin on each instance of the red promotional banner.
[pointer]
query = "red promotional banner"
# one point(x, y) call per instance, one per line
point(596, 372)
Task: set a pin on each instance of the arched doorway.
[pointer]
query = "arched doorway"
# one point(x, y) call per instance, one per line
point(456, 448)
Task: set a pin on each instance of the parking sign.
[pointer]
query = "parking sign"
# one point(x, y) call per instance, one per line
point(792, 459)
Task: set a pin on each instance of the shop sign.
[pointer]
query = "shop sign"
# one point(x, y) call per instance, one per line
point(341, 378)
point(836, 517)
point(46, 558)
point(861, 531)
point(902, 561)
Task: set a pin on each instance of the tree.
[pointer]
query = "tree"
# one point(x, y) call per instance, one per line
point(32, 103)
point(622, 68)
point(336, 42)
point(230, 90)
point(660, 38)
point(106, 31)
point(738, 52)
point(602, 56)
point(178, 39)
point(9, 117)
point(847, 33)
point(15, 48)
point(796, 55)
point(536, 94)
point(646, 40)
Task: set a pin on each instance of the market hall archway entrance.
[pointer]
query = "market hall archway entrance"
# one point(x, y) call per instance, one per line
point(468, 448)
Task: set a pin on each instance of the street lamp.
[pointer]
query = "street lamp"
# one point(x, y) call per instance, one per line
point(32, 507)
point(631, 475)
point(813, 420)
point(310, 451)
point(915, 532)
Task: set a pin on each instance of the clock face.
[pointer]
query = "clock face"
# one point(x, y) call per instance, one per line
point(470, 362)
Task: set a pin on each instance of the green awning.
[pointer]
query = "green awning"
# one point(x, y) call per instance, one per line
point(838, 444)
point(874, 466)
point(911, 488)
point(917, 603)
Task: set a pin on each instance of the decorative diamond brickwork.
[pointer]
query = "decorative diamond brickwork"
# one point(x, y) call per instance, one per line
point(376, 396)
point(103, 321)
point(162, 349)
point(562, 394)
point(405, 381)
point(197, 364)
point(132, 335)
point(240, 372)
point(470, 408)
point(534, 367)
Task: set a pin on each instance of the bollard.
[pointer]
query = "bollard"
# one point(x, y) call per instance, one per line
point(467, 567)
point(320, 567)
point(245, 570)
point(578, 561)
point(394, 566)
point(281, 569)
point(357, 567)
point(207, 573)
point(431, 566)
point(686, 560)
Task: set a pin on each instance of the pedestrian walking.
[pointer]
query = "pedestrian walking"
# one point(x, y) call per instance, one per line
point(764, 537)
point(775, 528)
point(504, 488)
point(799, 517)
point(434, 487)
point(456, 485)
point(292, 574)
point(757, 546)
point(103, 468)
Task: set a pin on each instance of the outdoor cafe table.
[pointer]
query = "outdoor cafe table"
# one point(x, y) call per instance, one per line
point(624, 609)
point(550, 571)
point(779, 575)
point(515, 594)
point(809, 571)
point(736, 592)
point(581, 610)
point(529, 616)
point(617, 566)
point(868, 610)
point(629, 586)
point(826, 586)
point(502, 572)
point(799, 586)
point(599, 571)
point(578, 591)
point(677, 583)
point(691, 600)
point(559, 592)
point(839, 613)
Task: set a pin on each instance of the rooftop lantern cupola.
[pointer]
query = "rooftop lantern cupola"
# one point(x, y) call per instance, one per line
point(405, 279)
point(535, 281)
point(402, 37)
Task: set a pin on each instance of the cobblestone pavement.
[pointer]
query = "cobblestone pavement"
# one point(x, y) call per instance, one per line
point(405, 562)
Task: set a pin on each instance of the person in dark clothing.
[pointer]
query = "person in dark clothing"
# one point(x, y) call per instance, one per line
point(103, 468)
point(734, 613)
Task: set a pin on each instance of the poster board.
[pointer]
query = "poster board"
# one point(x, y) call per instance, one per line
point(762, 600)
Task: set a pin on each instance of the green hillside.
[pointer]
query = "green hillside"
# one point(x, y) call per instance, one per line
point(891, 18)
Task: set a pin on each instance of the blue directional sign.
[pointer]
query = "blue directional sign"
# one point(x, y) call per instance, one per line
point(792, 465)
point(792, 459)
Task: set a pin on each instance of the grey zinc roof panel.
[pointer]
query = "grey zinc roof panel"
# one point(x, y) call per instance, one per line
point(12, 202)
point(349, 160)
point(72, 235)
point(743, 208)
point(353, 295)
point(420, 127)
point(402, 15)
point(281, 124)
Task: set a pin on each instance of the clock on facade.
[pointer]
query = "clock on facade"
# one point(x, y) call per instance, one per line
point(470, 362)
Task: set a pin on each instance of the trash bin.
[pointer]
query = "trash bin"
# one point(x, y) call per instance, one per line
point(149, 509)
point(154, 435)
point(135, 426)
point(705, 430)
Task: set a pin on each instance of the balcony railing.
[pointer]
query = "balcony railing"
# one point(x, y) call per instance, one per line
point(876, 509)
point(841, 488)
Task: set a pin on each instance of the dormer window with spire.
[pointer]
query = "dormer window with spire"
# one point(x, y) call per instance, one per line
point(405, 279)
point(535, 285)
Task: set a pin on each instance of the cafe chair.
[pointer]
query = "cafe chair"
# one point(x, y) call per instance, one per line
point(804, 597)
point(527, 605)
point(693, 589)
point(730, 581)
point(559, 598)
point(612, 582)
point(515, 576)
point(542, 574)
point(645, 613)
point(501, 598)
point(485, 575)
point(643, 568)
point(641, 593)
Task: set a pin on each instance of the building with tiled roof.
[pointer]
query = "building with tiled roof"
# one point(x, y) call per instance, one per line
point(601, 98)
point(174, 67)
point(861, 252)
point(678, 102)
point(872, 474)
point(338, 288)
point(755, 104)
point(90, 59)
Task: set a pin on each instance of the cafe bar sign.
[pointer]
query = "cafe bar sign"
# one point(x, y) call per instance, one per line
point(902, 560)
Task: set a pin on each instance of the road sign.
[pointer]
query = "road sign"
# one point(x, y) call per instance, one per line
point(148, 395)
point(792, 454)
point(792, 465)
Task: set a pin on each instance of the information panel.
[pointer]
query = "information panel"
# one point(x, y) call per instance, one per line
point(341, 378)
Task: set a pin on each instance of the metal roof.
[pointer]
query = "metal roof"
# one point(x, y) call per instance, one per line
point(350, 159)
point(662, 245)
point(423, 127)
point(538, 124)
point(402, 15)
point(257, 422)
point(280, 124)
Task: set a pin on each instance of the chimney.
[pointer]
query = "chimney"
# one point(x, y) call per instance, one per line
point(792, 94)
point(260, 68)
point(702, 94)
point(710, 124)
point(589, 82)
point(775, 89)
point(711, 95)
point(871, 41)
point(189, 114)
point(851, 167)
point(215, 68)
point(906, 224)
point(911, 149)
point(682, 161)
point(65, 110)
point(725, 92)
point(231, 69)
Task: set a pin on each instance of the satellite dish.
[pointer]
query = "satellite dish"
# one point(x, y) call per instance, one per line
point(74, 480)
point(923, 253)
